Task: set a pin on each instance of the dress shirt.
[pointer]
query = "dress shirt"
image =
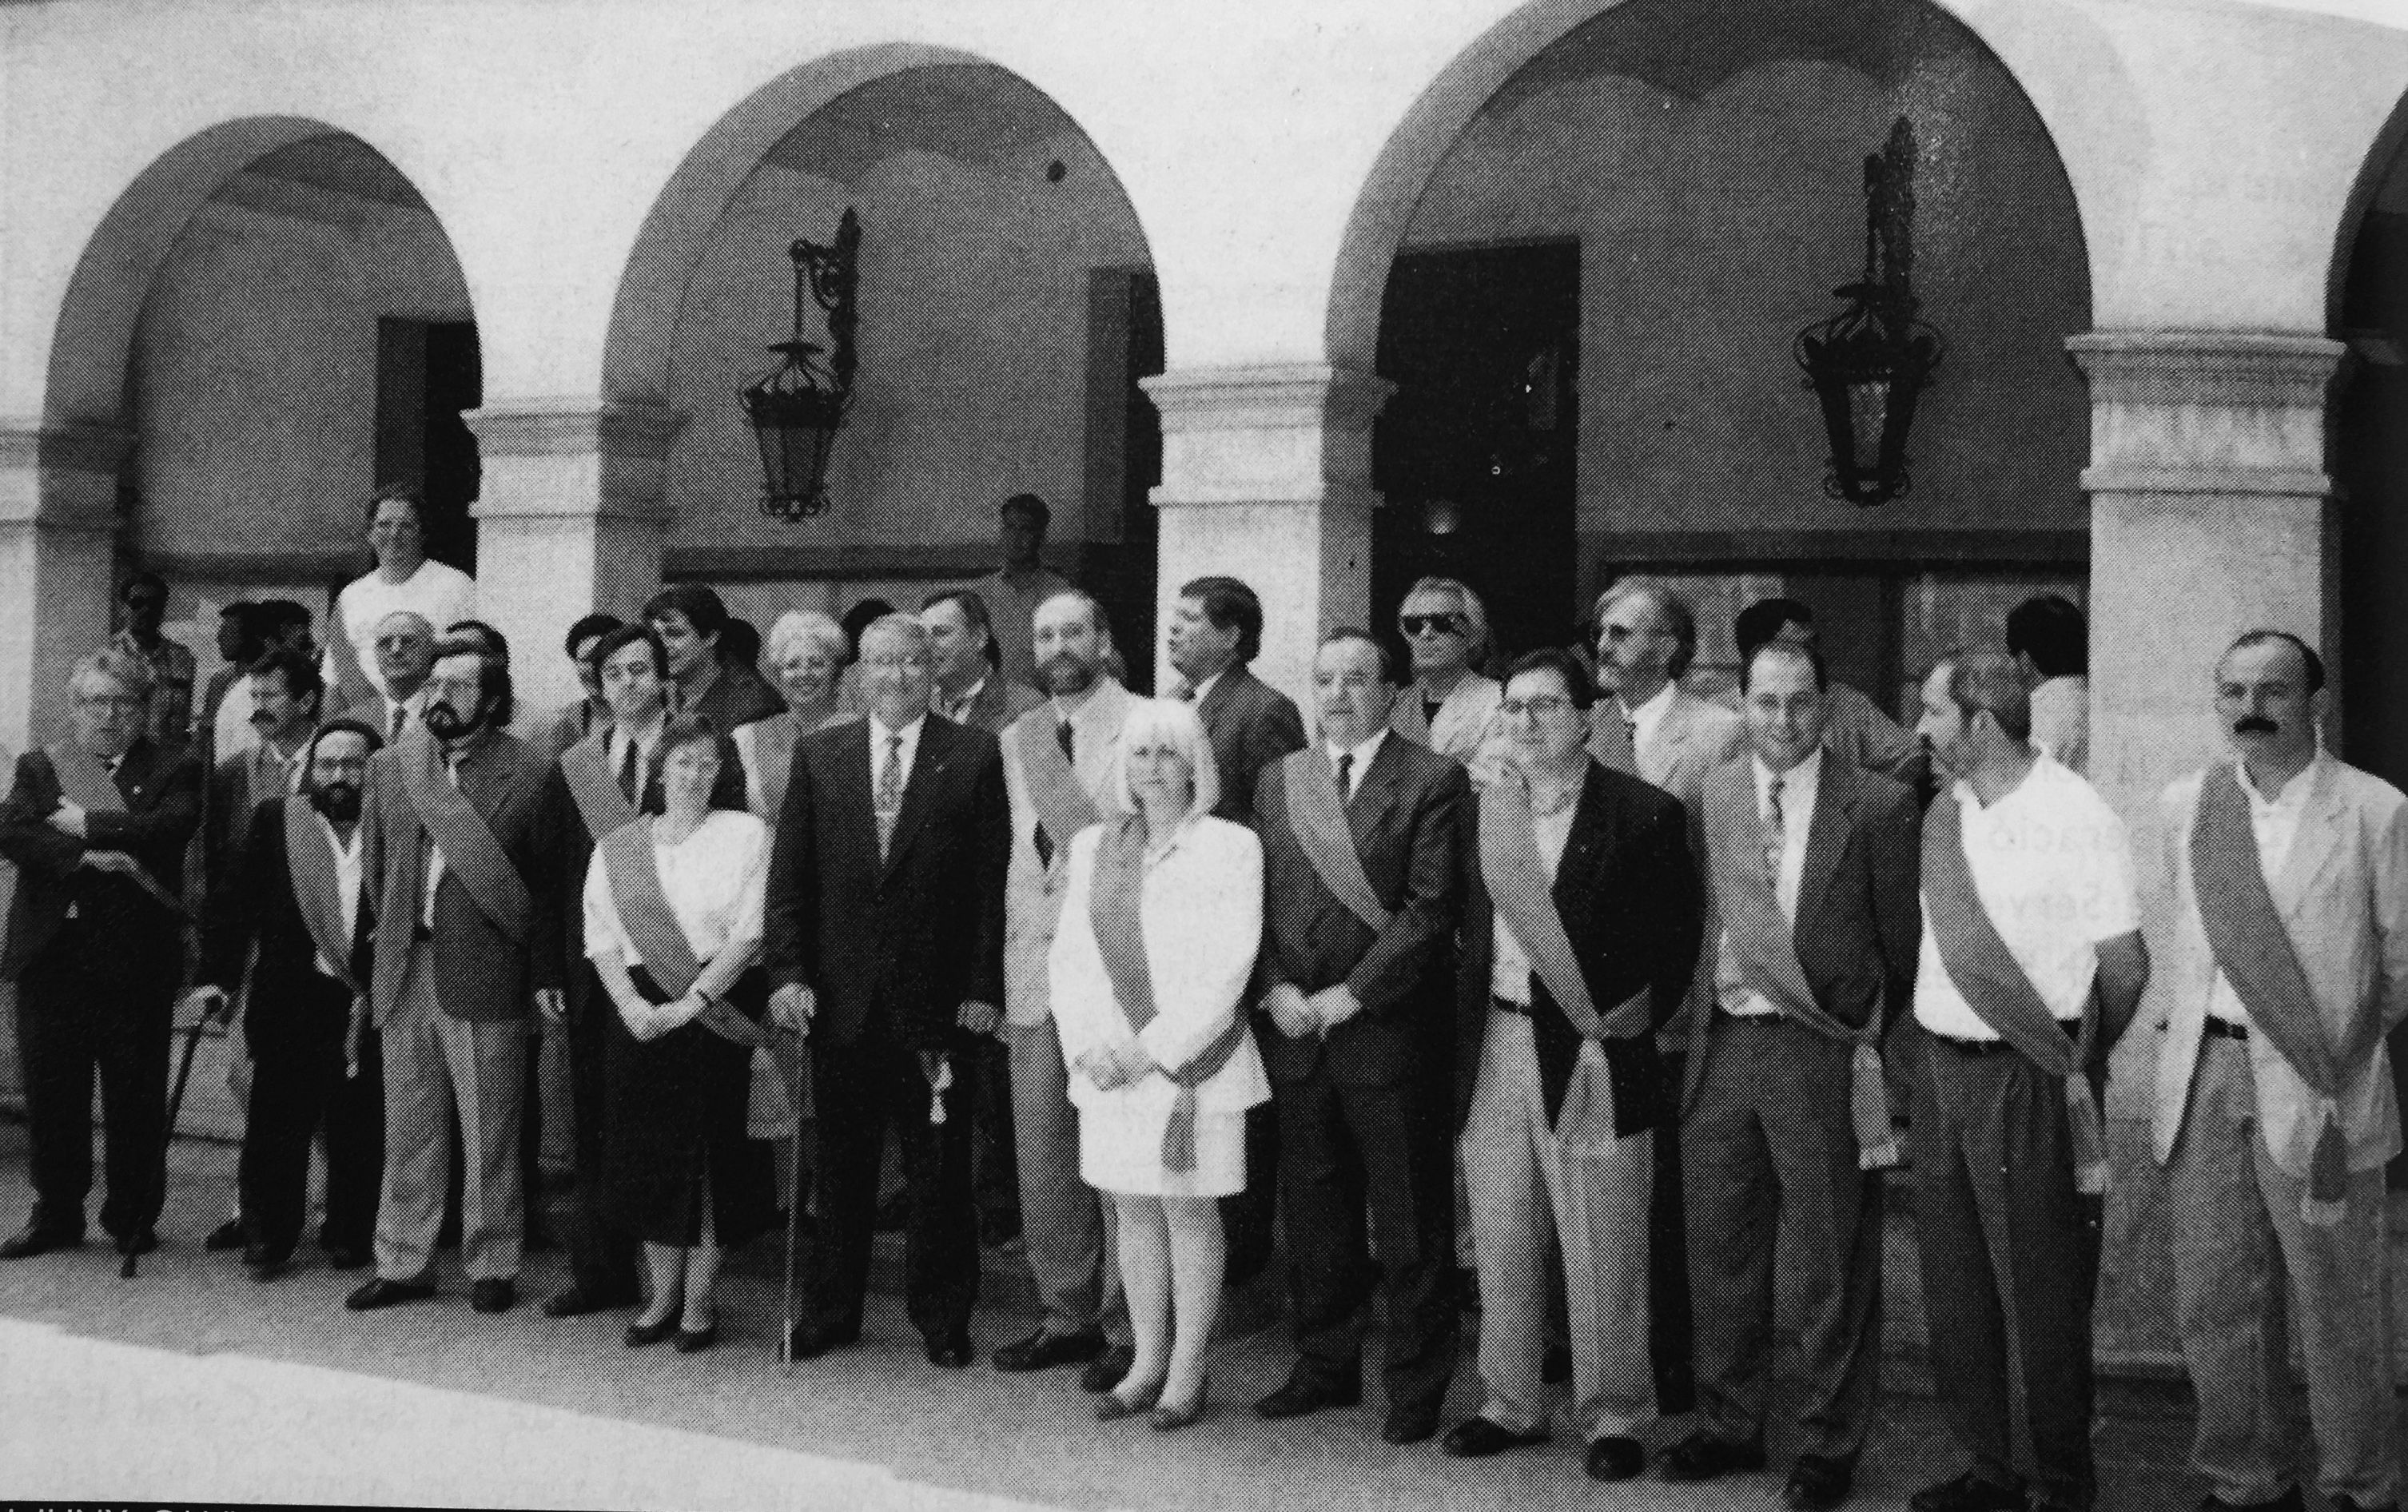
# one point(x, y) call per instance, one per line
point(614, 746)
point(716, 880)
point(1648, 718)
point(1800, 787)
point(1362, 754)
point(350, 865)
point(2053, 868)
point(434, 851)
point(878, 738)
point(2275, 821)
point(1509, 968)
point(1204, 690)
point(232, 733)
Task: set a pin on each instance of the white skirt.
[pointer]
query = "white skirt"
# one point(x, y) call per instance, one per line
point(1120, 1151)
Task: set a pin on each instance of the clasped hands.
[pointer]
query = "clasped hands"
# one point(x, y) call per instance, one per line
point(790, 1007)
point(649, 1022)
point(1297, 1014)
point(1115, 1065)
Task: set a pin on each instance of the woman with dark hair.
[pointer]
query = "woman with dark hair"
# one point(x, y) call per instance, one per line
point(673, 919)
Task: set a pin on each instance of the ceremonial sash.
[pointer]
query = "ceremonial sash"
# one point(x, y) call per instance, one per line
point(1765, 951)
point(470, 852)
point(586, 768)
point(86, 784)
point(1316, 811)
point(653, 928)
point(1517, 882)
point(310, 864)
point(1115, 899)
point(1994, 986)
point(2252, 950)
point(773, 759)
point(1062, 801)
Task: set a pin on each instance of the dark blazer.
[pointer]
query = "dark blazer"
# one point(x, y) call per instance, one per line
point(999, 702)
point(255, 900)
point(1627, 892)
point(900, 944)
point(227, 815)
point(481, 974)
point(1858, 924)
point(1405, 816)
point(162, 790)
point(738, 696)
point(1251, 725)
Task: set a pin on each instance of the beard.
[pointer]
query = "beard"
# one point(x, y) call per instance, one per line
point(1066, 674)
point(444, 722)
point(338, 801)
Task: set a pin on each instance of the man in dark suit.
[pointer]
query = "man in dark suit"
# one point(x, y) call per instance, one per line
point(885, 943)
point(98, 824)
point(285, 694)
point(457, 969)
point(1361, 884)
point(1812, 868)
point(1579, 930)
point(301, 893)
point(1216, 630)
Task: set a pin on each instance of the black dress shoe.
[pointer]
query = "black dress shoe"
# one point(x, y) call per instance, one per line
point(1303, 1394)
point(1615, 1458)
point(266, 1265)
point(343, 1257)
point(39, 1237)
point(494, 1294)
point(1042, 1351)
point(1968, 1492)
point(1704, 1456)
point(807, 1342)
point(2345, 1504)
point(1410, 1425)
point(1476, 1438)
point(1107, 1370)
point(226, 1236)
point(641, 1334)
point(696, 1340)
point(2290, 1501)
point(952, 1354)
point(1819, 1482)
point(380, 1292)
point(574, 1301)
point(139, 1241)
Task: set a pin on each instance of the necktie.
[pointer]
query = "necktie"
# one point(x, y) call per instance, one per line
point(1774, 833)
point(1345, 777)
point(1062, 734)
point(1042, 841)
point(400, 712)
point(888, 799)
point(627, 771)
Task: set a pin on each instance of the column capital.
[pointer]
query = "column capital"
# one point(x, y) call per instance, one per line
point(1271, 395)
point(2218, 412)
point(86, 457)
point(1293, 432)
point(573, 456)
point(568, 426)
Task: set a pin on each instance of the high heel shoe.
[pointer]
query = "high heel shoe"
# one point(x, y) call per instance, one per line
point(1168, 1419)
point(1112, 1406)
point(640, 1334)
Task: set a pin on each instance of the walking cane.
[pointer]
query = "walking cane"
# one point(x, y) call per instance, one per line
point(176, 1099)
point(796, 1090)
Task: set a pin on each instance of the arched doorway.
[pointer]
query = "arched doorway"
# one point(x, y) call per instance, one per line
point(275, 321)
point(1007, 309)
point(1584, 258)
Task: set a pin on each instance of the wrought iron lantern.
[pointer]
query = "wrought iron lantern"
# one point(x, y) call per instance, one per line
point(798, 409)
point(1872, 362)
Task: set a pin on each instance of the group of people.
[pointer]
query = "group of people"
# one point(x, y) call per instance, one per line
point(1600, 983)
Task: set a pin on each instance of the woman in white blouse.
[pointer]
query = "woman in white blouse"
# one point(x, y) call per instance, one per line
point(1150, 965)
point(678, 1169)
point(807, 652)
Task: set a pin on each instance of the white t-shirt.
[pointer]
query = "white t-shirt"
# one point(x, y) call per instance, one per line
point(2053, 868)
point(443, 594)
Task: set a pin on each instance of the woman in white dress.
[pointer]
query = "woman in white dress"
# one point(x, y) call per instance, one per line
point(673, 924)
point(1159, 928)
point(807, 651)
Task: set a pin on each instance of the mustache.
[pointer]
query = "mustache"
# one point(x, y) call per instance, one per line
point(2255, 724)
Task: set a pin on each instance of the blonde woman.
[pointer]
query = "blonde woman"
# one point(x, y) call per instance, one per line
point(806, 654)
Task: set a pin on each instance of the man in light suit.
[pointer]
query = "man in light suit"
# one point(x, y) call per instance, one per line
point(1057, 761)
point(1647, 636)
point(885, 943)
point(1450, 707)
point(1811, 874)
point(1361, 884)
point(2274, 1111)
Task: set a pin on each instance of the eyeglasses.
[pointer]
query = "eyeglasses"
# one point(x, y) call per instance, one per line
point(1543, 706)
point(111, 703)
point(896, 664)
point(1430, 624)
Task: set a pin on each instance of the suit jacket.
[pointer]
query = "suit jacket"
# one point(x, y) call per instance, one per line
point(1695, 736)
point(1859, 733)
point(481, 973)
point(1859, 923)
point(162, 790)
point(895, 946)
point(1406, 817)
point(237, 785)
point(1251, 725)
point(2343, 894)
point(999, 702)
point(254, 901)
point(1464, 719)
point(1627, 890)
point(738, 696)
point(1035, 889)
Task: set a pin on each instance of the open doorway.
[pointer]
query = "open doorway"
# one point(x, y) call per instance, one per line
point(427, 372)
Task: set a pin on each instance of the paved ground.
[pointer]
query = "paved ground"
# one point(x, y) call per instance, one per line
point(193, 1383)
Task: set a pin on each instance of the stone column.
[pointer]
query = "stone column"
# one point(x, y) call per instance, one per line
point(1266, 476)
point(2208, 514)
point(58, 543)
point(571, 520)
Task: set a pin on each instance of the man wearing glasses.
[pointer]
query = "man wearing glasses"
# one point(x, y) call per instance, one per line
point(98, 824)
point(1450, 707)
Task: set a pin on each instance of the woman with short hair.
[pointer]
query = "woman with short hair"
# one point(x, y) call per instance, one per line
point(807, 652)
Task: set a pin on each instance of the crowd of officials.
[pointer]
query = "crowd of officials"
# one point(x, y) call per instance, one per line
point(1565, 988)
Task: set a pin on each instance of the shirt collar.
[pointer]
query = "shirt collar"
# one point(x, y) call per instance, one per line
point(940, 700)
point(2293, 794)
point(1204, 689)
point(1101, 706)
point(879, 734)
point(1362, 753)
point(1800, 782)
point(1649, 716)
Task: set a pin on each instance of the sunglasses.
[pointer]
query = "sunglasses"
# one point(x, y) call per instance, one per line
point(1430, 624)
